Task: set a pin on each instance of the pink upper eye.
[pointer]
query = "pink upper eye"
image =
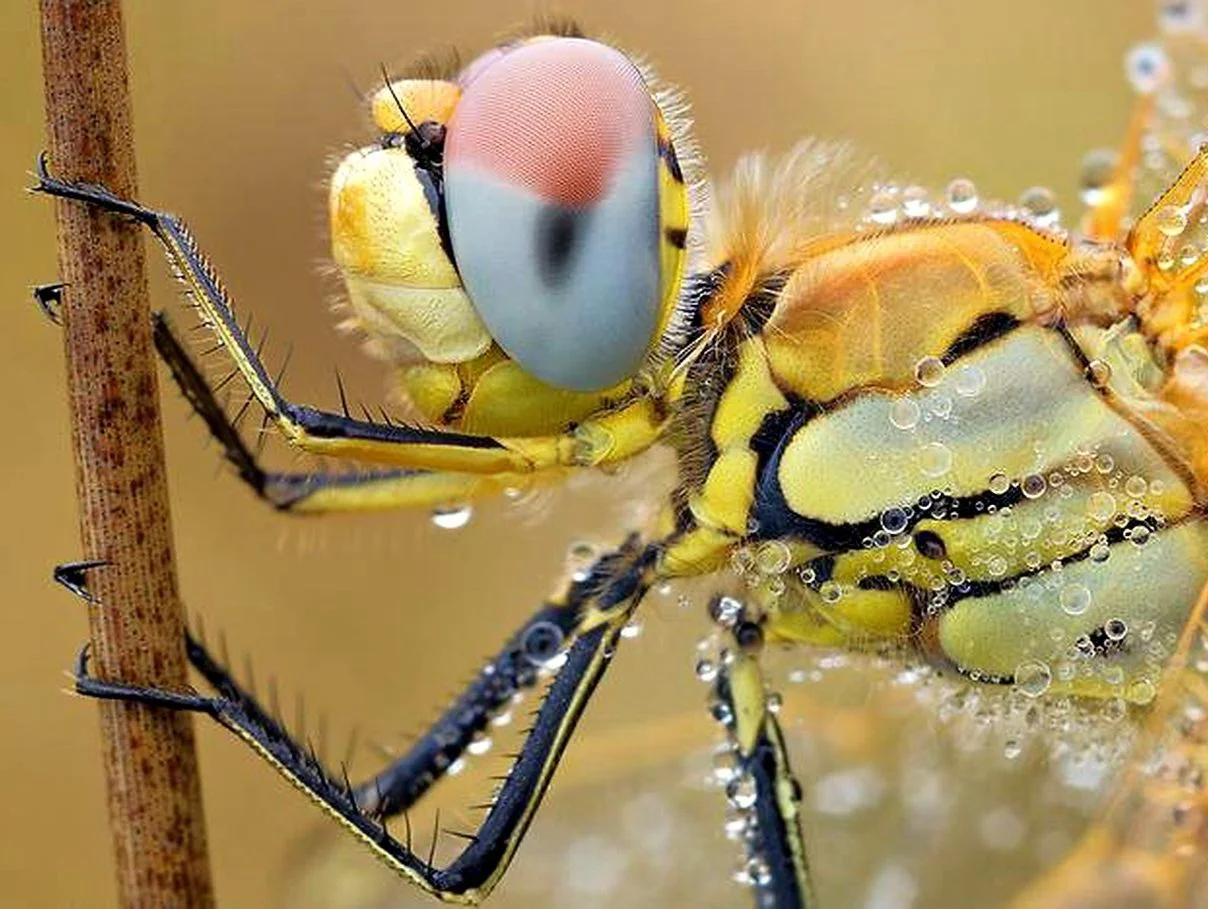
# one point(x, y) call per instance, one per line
point(555, 117)
point(552, 199)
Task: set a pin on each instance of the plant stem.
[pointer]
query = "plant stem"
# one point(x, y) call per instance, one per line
point(137, 627)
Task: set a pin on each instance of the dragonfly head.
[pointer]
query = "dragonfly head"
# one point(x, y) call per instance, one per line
point(529, 207)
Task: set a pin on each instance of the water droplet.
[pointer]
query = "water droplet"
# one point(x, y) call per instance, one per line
point(725, 766)
point(894, 520)
point(929, 371)
point(1116, 629)
point(1033, 486)
point(914, 202)
point(735, 826)
point(1099, 373)
point(1147, 67)
point(741, 792)
point(904, 413)
point(970, 381)
point(962, 196)
point(774, 702)
point(1098, 168)
point(502, 719)
point(706, 670)
point(1075, 599)
point(1135, 486)
point(1105, 463)
point(831, 592)
point(456, 767)
point(1011, 749)
point(1033, 678)
point(999, 483)
point(742, 560)
point(1140, 535)
point(935, 459)
point(1141, 691)
point(1177, 17)
point(1101, 506)
point(1171, 220)
point(1041, 204)
point(479, 745)
point(725, 611)
point(759, 871)
point(883, 207)
point(940, 405)
point(632, 629)
point(452, 517)
point(1114, 710)
point(721, 712)
point(773, 557)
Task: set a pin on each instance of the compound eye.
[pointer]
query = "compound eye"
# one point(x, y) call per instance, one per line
point(552, 195)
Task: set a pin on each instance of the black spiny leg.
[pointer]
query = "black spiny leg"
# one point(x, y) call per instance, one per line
point(283, 490)
point(764, 787)
point(592, 612)
point(318, 431)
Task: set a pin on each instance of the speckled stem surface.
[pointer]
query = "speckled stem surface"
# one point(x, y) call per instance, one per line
point(148, 755)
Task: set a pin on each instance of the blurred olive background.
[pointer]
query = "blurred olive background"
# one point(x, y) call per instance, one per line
point(239, 107)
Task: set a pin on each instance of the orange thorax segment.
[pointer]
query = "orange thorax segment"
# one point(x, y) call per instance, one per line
point(866, 312)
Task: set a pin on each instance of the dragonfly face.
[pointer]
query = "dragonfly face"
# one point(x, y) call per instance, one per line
point(936, 424)
point(521, 226)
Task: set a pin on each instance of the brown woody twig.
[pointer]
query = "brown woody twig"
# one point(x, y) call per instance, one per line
point(136, 626)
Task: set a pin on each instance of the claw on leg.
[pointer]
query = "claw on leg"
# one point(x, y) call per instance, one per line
point(89, 686)
point(73, 576)
point(49, 298)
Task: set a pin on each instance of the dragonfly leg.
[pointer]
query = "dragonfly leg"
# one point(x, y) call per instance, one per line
point(633, 425)
point(582, 626)
point(763, 786)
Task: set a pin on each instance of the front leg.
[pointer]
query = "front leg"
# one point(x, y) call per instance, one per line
point(303, 492)
point(584, 625)
point(613, 436)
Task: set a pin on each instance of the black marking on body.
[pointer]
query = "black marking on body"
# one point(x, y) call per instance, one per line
point(930, 545)
point(986, 328)
point(823, 568)
point(676, 236)
point(558, 231)
point(1076, 350)
point(777, 426)
point(777, 520)
point(432, 183)
point(667, 153)
point(698, 290)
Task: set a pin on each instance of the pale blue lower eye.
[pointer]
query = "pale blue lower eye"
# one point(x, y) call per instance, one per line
point(571, 294)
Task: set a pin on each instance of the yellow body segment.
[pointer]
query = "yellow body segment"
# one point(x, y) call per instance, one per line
point(867, 312)
point(941, 415)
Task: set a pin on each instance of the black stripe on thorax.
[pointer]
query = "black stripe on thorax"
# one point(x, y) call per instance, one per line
point(986, 328)
point(776, 520)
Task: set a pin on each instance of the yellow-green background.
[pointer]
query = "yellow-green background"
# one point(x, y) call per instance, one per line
point(238, 108)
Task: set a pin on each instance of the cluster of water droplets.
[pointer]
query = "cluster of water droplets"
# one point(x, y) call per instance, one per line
point(1172, 70)
point(713, 657)
point(892, 204)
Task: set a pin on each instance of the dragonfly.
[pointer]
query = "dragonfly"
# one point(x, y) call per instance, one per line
point(928, 424)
